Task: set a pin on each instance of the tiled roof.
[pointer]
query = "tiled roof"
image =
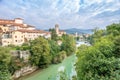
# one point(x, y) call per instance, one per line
point(19, 18)
point(2, 21)
point(12, 23)
point(61, 31)
point(30, 26)
point(32, 31)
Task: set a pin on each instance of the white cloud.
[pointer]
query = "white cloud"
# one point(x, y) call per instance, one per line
point(67, 13)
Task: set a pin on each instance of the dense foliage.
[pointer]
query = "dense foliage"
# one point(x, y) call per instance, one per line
point(101, 61)
point(40, 52)
point(53, 34)
point(54, 50)
point(68, 44)
point(4, 62)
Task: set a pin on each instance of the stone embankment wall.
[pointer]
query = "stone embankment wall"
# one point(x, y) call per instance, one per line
point(25, 69)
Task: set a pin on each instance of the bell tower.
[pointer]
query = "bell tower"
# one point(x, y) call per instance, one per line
point(57, 28)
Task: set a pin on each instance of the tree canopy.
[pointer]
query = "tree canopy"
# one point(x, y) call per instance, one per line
point(101, 61)
point(4, 62)
point(40, 52)
point(68, 44)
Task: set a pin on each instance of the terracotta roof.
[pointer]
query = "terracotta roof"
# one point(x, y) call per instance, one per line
point(31, 31)
point(61, 31)
point(12, 23)
point(47, 33)
point(19, 18)
point(30, 26)
point(5, 20)
point(2, 21)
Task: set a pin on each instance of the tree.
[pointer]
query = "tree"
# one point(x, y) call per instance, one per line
point(4, 73)
point(97, 62)
point(96, 36)
point(101, 61)
point(54, 50)
point(117, 47)
point(4, 61)
point(53, 34)
point(68, 44)
point(40, 52)
point(25, 46)
point(113, 29)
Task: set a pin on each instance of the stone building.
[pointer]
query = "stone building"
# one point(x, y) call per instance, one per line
point(58, 31)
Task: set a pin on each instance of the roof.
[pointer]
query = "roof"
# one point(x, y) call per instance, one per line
point(19, 18)
point(31, 31)
point(61, 31)
point(12, 23)
point(3, 21)
point(30, 26)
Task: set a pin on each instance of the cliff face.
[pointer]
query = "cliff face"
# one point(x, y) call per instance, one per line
point(26, 68)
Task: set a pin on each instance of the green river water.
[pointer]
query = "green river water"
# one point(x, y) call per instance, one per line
point(52, 71)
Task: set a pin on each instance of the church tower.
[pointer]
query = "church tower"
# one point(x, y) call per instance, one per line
point(57, 28)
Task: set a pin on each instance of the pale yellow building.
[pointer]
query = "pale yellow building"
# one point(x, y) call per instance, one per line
point(16, 32)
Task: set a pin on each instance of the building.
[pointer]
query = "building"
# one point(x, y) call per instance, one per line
point(16, 32)
point(58, 31)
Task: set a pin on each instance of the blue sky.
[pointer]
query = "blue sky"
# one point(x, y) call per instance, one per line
point(45, 14)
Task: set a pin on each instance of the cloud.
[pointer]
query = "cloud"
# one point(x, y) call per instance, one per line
point(67, 13)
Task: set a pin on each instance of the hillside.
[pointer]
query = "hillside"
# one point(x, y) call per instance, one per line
point(79, 31)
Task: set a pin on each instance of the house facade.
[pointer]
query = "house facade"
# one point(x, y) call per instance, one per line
point(16, 32)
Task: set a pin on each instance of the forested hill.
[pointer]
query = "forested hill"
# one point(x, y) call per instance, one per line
point(79, 31)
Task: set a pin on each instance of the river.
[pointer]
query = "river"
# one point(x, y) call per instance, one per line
point(51, 73)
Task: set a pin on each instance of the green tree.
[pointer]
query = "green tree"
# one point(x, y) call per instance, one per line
point(113, 29)
point(96, 36)
point(40, 52)
point(4, 72)
point(101, 61)
point(60, 56)
point(68, 44)
point(53, 34)
point(54, 49)
point(117, 47)
point(4, 61)
point(97, 62)
point(25, 46)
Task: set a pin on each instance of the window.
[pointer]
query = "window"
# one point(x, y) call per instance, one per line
point(15, 36)
point(4, 41)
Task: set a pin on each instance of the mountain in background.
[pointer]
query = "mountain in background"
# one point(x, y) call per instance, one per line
point(79, 31)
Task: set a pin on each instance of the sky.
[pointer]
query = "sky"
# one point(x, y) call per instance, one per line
point(44, 14)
